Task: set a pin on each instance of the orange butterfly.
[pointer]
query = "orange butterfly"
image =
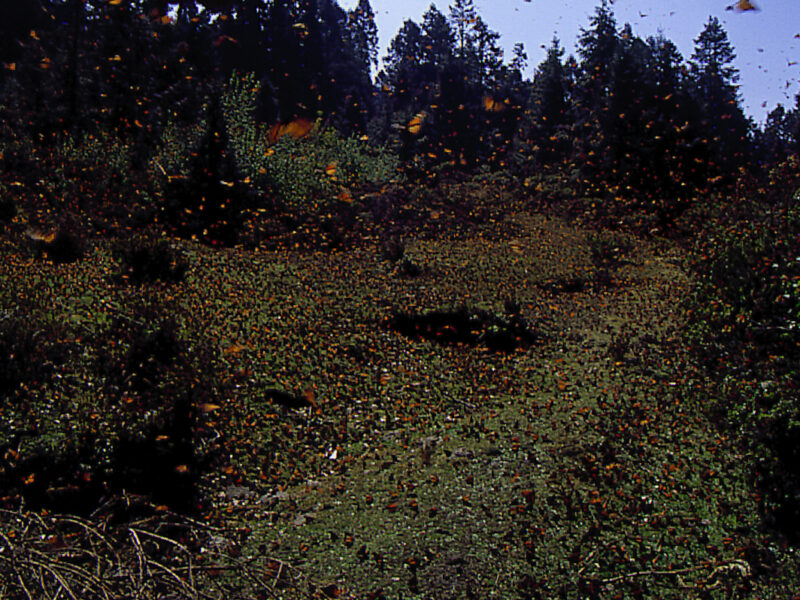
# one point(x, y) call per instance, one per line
point(297, 129)
point(415, 124)
point(742, 6)
point(40, 236)
point(492, 105)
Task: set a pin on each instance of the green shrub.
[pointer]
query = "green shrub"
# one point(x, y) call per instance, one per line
point(305, 175)
point(609, 248)
point(88, 412)
point(144, 259)
point(28, 352)
point(746, 321)
point(207, 204)
point(60, 246)
point(8, 206)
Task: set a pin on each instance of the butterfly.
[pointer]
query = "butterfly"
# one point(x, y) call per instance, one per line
point(415, 124)
point(742, 6)
point(299, 128)
point(40, 236)
point(492, 105)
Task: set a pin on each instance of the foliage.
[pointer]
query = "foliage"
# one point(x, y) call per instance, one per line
point(8, 208)
point(498, 333)
point(552, 432)
point(746, 315)
point(28, 354)
point(144, 259)
point(303, 174)
point(374, 459)
point(97, 399)
point(208, 203)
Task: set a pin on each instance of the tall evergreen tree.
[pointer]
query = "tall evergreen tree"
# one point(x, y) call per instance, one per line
point(520, 61)
point(439, 37)
point(208, 204)
point(715, 92)
point(463, 16)
point(598, 48)
point(345, 86)
point(673, 155)
point(775, 140)
point(364, 34)
point(402, 74)
point(283, 65)
point(486, 54)
point(549, 107)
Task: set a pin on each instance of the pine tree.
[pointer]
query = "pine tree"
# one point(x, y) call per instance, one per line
point(598, 48)
point(207, 205)
point(715, 92)
point(486, 53)
point(775, 140)
point(402, 74)
point(520, 61)
point(549, 106)
point(463, 16)
point(283, 66)
point(364, 33)
point(439, 47)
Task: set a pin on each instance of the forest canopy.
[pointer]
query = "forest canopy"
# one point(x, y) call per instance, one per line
point(625, 117)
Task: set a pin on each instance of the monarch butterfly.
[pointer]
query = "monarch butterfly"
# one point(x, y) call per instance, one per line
point(492, 105)
point(41, 236)
point(742, 6)
point(297, 129)
point(415, 124)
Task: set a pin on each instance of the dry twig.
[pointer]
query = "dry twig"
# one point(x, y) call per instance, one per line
point(162, 555)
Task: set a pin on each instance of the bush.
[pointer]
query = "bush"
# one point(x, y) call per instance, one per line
point(35, 450)
point(497, 333)
point(146, 260)
point(207, 204)
point(92, 415)
point(8, 207)
point(746, 321)
point(67, 247)
point(609, 249)
point(305, 173)
point(29, 350)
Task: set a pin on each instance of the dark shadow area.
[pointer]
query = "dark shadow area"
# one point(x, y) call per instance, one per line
point(470, 328)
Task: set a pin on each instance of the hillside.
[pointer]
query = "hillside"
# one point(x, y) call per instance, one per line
point(536, 428)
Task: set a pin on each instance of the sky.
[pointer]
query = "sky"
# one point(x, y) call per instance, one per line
point(766, 41)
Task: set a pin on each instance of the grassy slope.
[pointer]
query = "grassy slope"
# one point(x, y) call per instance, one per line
point(587, 465)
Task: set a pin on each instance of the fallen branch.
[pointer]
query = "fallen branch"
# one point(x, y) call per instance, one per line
point(732, 565)
point(59, 557)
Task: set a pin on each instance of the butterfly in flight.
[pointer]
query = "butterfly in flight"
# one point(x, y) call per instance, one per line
point(742, 6)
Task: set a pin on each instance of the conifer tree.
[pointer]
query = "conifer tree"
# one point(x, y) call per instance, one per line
point(715, 92)
point(364, 34)
point(549, 106)
point(463, 16)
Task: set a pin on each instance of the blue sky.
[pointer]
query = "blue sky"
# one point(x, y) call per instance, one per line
point(764, 41)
